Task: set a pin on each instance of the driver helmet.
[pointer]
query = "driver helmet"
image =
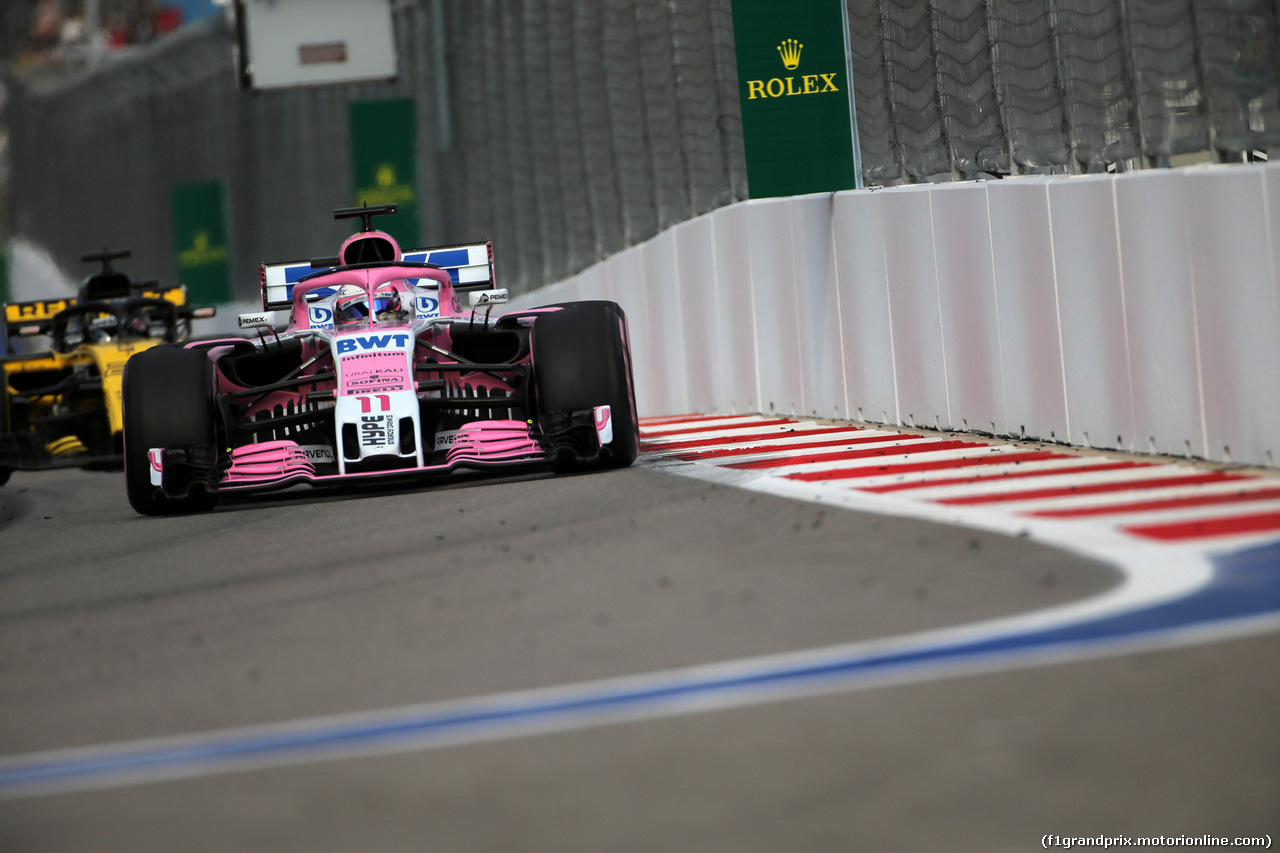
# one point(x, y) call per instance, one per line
point(388, 306)
point(100, 329)
point(137, 324)
point(350, 306)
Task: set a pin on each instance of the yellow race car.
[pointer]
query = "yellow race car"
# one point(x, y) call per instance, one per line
point(61, 407)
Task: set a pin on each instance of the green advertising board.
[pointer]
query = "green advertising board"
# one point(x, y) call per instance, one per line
point(383, 146)
point(200, 241)
point(797, 102)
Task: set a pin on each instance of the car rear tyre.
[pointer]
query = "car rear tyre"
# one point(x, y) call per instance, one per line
point(581, 360)
point(4, 416)
point(168, 402)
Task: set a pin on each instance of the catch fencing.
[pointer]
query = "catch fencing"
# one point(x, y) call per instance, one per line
point(569, 130)
point(972, 88)
point(563, 130)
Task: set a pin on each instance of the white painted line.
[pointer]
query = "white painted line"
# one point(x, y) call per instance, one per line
point(771, 447)
point(760, 437)
point(729, 435)
point(649, 432)
point(977, 472)
point(1079, 479)
point(1116, 502)
point(1183, 515)
point(871, 462)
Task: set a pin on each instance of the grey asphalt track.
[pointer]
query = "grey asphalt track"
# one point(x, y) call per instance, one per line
point(115, 627)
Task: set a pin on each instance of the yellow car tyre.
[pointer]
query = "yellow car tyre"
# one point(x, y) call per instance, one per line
point(4, 417)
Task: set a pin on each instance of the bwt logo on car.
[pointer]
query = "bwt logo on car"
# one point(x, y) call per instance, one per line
point(377, 430)
point(428, 306)
point(394, 340)
point(320, 316)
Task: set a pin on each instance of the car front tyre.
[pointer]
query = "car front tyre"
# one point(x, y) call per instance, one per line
point(168, 403)
point(581, 360)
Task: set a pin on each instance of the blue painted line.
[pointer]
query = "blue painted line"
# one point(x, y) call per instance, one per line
point(1245, 587)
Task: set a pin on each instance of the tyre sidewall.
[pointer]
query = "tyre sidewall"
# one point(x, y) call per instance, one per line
point(168, 402)
point(581, 360)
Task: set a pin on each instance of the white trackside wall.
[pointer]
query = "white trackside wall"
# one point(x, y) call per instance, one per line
point(1135, 312)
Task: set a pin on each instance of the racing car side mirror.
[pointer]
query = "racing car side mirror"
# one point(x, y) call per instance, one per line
point(497, 296)
point(262, 318)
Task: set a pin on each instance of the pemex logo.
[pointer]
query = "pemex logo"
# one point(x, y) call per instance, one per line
point(779, 87)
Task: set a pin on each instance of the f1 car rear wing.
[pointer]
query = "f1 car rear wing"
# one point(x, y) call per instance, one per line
point(29, 318)
point(470, 266)
point(35, 317)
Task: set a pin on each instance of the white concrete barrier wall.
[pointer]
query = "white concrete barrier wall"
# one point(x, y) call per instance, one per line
point(1135, 312)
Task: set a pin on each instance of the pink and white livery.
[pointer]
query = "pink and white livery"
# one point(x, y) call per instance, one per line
point(378, 372)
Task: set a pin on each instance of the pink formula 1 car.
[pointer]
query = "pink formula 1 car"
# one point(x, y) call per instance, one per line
point(379, 373)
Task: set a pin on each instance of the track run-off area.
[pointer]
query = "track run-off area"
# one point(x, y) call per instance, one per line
point(769, 633)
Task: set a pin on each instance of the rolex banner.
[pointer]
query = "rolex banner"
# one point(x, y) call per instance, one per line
point(797, 103)
point(200, 241)
point(383, 142)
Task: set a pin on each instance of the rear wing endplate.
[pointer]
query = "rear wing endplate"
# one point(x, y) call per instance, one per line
point(36, 313)
point(29, 318)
